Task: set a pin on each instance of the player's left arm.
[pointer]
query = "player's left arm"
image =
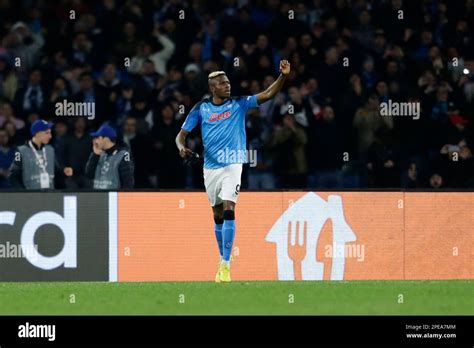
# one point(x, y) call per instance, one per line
point(276, 86)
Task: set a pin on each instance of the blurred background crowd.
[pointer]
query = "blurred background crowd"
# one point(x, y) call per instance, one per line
point(145, 64)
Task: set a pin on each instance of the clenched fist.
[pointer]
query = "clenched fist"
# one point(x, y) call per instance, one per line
point(284, 67)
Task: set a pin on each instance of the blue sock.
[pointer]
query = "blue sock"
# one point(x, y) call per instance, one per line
point(228, 233)
point(218, 231)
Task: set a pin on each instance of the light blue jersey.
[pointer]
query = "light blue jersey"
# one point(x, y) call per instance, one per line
point(222, 128)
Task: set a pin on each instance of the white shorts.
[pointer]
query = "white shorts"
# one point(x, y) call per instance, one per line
point(223, 184)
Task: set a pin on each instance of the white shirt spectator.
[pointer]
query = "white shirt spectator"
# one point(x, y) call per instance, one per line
point(159, 58)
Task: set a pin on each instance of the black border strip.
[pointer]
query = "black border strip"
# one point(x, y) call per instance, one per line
point(288, 330)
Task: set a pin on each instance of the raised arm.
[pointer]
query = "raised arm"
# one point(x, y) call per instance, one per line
point(276, 86)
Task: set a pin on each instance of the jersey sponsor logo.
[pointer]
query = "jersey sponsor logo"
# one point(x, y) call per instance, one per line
point(217, 117)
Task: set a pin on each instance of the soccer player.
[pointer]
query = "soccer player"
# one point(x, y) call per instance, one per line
point(222, 121)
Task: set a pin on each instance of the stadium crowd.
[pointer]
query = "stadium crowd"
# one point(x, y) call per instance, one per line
point(145, 64)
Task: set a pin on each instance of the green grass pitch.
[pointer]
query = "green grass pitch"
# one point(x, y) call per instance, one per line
point(451, 297)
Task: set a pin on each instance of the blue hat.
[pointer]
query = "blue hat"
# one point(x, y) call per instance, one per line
point(40, 126)
point(105, 131)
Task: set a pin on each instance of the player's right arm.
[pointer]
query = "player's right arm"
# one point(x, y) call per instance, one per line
point(181, 144)
point(191, 121)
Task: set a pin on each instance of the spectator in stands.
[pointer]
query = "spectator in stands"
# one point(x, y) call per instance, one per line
point(7, 154)
point(458, 165)
point(6, 115)
point(410, 179)
point(124, 103)
point(108, 89)
point(87, 93)
point(288, 143)
point(59, 93)
point(140, 146)
point(24, 44)
point(367, 120)
point(8, 79)
point(436, 181)
point(326, 150)
point(73, 153)
point(364, 31)
point(159, 57)
point(331, 75)
point(146, 79)
point(16, 137)
point(81, 52)
point(195, 82)
point(298, 106)
point(128, 43)
point(169, 166)
point(259, 132)
point(30, 99)
point(383, 160)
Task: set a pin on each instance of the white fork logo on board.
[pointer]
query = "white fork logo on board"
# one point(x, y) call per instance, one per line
point(296, 234)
